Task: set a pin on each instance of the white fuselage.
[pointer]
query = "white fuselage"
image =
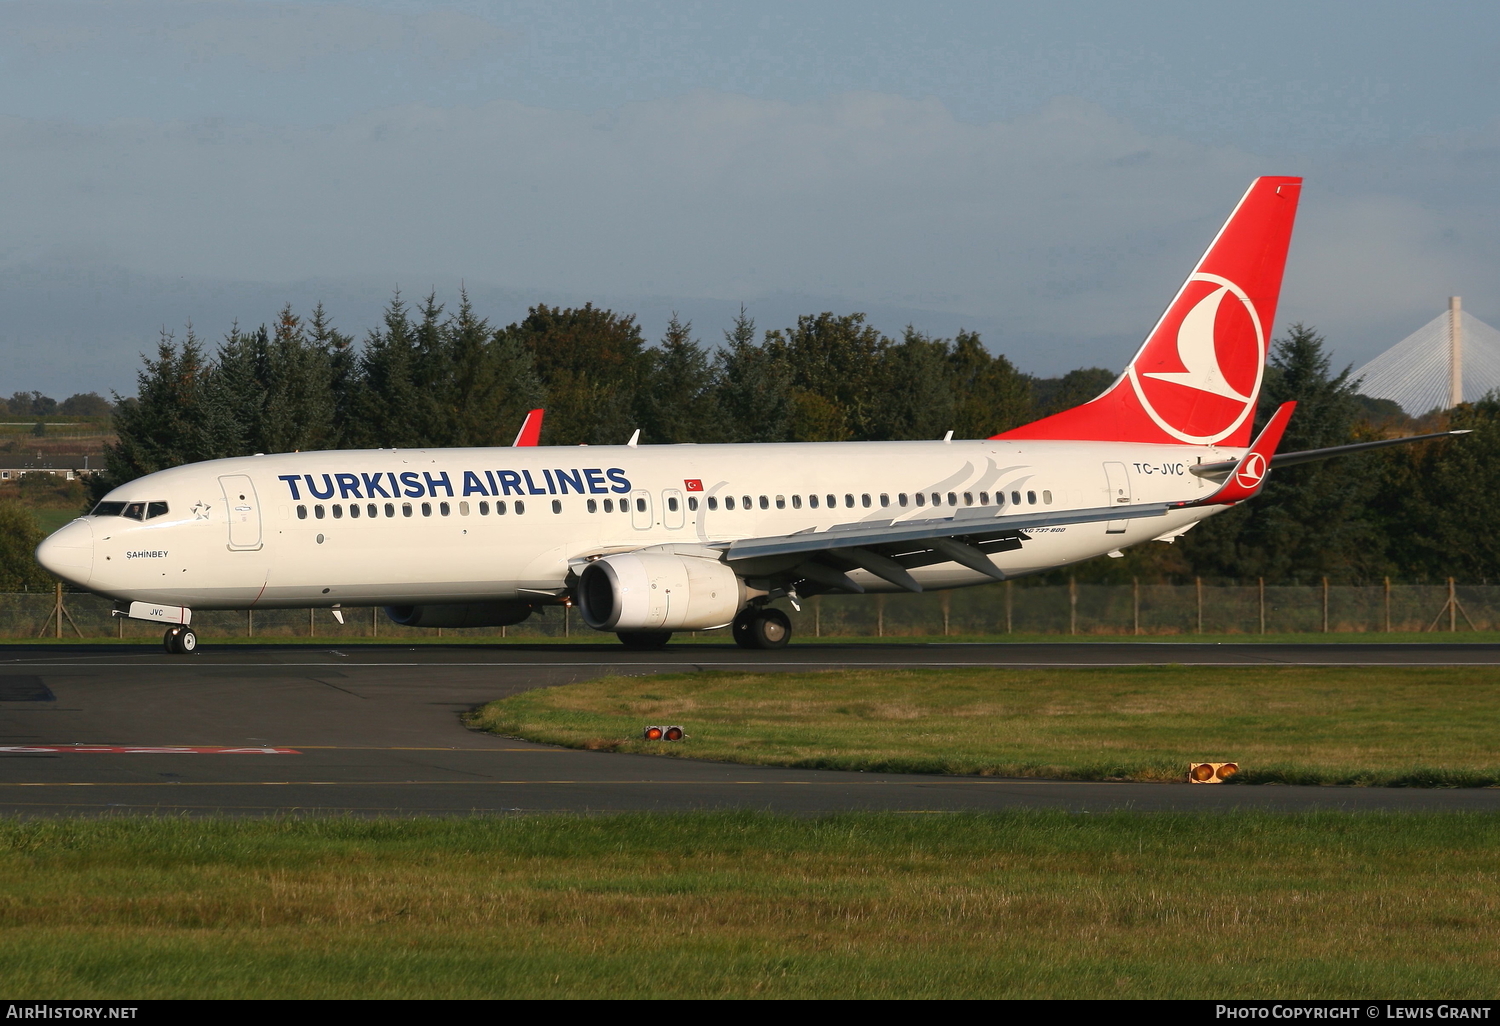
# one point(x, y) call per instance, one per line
point(280, 530)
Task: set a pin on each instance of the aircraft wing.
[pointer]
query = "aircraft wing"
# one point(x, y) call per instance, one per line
point(890, 549)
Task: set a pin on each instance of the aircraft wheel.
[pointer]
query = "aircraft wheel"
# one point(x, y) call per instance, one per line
point(742, 629)
point(187, 642)
point(169, 641)
point(644, 641)
point(767, 629)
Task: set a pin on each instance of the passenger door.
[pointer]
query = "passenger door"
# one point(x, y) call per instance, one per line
point(244, 512)
point(1119, 493)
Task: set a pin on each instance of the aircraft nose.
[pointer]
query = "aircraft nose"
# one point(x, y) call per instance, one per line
point(69, 553)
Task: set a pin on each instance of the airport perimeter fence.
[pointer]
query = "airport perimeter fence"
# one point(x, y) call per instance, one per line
point(1010, 608)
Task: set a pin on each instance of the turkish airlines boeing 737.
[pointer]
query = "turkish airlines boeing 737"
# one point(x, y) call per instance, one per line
point(654, 539)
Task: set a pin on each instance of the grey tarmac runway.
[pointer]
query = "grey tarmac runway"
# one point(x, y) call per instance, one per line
point(375, 730)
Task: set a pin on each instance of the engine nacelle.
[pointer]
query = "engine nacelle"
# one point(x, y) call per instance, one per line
point(658, 591)
point(461, 614)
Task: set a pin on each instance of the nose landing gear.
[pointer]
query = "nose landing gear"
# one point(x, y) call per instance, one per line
point(762, 627)
point(179, 641)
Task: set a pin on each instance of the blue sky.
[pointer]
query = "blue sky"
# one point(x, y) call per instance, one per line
point(1045, 174)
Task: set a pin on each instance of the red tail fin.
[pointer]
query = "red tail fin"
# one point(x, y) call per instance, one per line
point(531, 429)
point(1197, 377)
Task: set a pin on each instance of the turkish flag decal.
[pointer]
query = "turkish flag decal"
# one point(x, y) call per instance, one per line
point(694, 485)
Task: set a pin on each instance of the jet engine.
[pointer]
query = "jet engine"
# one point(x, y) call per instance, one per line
point(658, 591)
point(461, 614)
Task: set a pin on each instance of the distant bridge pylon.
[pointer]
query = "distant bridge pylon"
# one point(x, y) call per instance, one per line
point(1453, 357)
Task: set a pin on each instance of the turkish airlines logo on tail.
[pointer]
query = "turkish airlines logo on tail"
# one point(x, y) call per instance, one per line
point(1198, 375)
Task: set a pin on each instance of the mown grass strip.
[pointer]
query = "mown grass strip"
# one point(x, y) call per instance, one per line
point(1394, 727)
point(736, 905)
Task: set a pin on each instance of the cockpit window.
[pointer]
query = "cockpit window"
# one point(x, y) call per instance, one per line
point(133, 510)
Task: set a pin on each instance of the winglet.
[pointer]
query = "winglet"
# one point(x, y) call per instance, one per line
point(531, 429)
point(1251, 472)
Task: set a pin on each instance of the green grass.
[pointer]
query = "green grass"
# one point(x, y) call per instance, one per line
point(739, 905)
point(1327, 725)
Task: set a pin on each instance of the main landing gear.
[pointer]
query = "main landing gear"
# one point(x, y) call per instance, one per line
point(762, 627)
point(179, 641)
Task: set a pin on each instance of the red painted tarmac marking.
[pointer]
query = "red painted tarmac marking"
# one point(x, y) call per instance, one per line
point(142, 750)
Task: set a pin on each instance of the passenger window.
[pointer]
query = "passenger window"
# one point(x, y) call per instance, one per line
point(796, 502)
point(937, 498)
point(521, 507)
point(901, 499)
point(921, 499)
point(500, 509)
point(765, 503)
point(952, 499)
point(640, 505)
point(713, 502)
point(885, 500)
point(591, 506)
point(318, 511)
point(672, 503)
point(390, 509)
point(692, 503)
point(745, 501)
point(338, 511)
point(1047, 498)
point(557, 505)
point(848, 501)
point(729, 502)
point(833, 501)
point(609, 505)
point(156, 509)
point(781, 502)
point(463, 509)
point(864, 500)
point(427, 509)
point(1015, 498)
point(135, 511)
point(1031, 498)
point(372, 510)
point(984, 498)
point(444, 508)
point(406, 509)
point(353, 511)
point(301, 512)
point(812, 500)
point(968, 498)
point(484, 508)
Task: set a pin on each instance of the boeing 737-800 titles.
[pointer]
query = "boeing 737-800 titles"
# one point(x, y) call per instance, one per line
point(647, 540)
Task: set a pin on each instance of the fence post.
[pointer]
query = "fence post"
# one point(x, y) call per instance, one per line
point(1072, 604)
point(58, 610)
point(249, 623)
point(880, 615)
point(1388, 605)
point(1325, 605)
point(568, 621)
point(1262, 588)
point(817, 616)
point(1136, 602)
point(1008, 585)
point(1452, 608)
point(375, 623)
point(312, 626)
point(1198, 582)
point(947, 608)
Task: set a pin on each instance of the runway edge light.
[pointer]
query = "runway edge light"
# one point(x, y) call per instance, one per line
point(674, 734)
point(1211, 772)
point(654, 733)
